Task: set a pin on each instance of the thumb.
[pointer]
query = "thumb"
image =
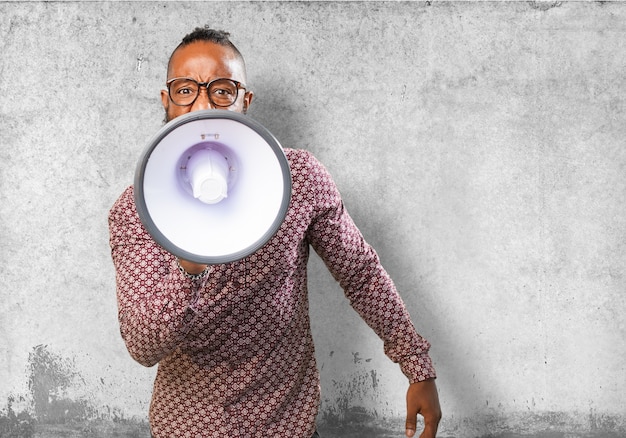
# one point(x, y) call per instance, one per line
point(411, 419)
point(410, 428)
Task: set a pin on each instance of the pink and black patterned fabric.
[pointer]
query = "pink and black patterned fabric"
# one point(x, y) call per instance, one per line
point(235, 351)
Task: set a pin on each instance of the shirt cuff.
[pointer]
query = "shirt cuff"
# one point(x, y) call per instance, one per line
point(418, 367)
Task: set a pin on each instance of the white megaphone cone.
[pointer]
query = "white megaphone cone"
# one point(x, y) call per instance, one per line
point(212, 186)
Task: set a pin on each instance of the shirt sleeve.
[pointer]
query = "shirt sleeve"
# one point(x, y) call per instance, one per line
point(357, 268)
point(155, 299)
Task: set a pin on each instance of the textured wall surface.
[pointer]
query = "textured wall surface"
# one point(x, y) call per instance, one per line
point(479, 146)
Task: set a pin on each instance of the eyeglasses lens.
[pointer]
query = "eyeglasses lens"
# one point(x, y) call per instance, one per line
point(222, 92)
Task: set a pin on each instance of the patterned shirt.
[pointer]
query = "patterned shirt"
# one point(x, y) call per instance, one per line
point(234, 349)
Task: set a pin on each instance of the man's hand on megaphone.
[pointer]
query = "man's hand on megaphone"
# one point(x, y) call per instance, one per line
point(192, 268)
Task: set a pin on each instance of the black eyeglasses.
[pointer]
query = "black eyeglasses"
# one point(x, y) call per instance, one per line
point(222, 92)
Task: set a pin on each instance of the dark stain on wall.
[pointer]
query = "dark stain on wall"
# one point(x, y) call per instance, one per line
point(49, 411)
point(51, 376)
point(344, 415)
point(15, 425)
point(543, 5)
point(368, 429)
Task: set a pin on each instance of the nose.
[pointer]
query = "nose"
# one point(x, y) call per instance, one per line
point(202, 101)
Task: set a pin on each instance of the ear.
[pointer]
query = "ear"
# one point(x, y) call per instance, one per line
point(247, 100)
point(165, 100)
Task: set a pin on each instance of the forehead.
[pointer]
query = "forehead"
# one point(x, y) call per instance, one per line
point(203, 60)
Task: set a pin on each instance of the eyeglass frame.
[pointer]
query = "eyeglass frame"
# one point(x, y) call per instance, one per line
point(239, 85)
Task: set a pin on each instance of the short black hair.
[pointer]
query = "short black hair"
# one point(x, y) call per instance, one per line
point(207, 34)
point(210, 35)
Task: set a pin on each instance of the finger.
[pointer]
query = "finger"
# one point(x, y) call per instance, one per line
point(430, 431)
point(431, 424)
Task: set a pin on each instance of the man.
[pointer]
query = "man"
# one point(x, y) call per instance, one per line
point(233, 341)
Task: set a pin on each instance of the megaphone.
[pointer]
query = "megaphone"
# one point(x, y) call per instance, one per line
point(212, 186)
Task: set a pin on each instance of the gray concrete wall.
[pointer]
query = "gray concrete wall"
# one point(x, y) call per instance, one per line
point(479, 146)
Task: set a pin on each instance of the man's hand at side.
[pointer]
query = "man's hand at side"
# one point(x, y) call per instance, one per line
point(422, 398)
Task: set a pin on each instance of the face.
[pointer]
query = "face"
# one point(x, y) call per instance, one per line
point(204, 62)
